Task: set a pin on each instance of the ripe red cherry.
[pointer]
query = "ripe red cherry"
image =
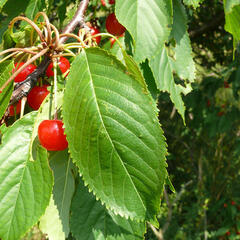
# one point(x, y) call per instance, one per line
point(51, 135)
point(63, 64)
point(94, 31)
point(17, 107)
point(225, 205)
point(113, 26)
point(36, 96)
point(24, 73)
point(226, 84)
point(221, 113)
point(228, 233)
point(110, 2)
point(112, 40)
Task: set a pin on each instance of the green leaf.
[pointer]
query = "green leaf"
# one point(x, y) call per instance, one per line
point(116, 50)
point(33, 7)
point(25, 186)
point(5, 72)
point(163, 75)
point(149, 79)
point(2, 3)
point(51, 224)
point(64, 185)
point(99, 223)
point(193, 3)
point(148, 22)
point(232, 18)
point(114, 135)
point(230, 4)
point(182, 62)
point(134, 70)
point(11, 9)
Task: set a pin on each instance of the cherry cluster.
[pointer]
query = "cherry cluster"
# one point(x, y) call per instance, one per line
point(50, 132)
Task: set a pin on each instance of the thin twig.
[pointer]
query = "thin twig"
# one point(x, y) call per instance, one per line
point(44, 51)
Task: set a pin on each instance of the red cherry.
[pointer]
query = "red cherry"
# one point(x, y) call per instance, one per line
point(24, 73)
point(226, 84)
point(228, 233)
point(238, 233)
point(13, 107)
point(112, 40)
point(225, 205)
point(51, 135)
point(94, 31)
point(233, 203)
point(208, 103)
point(36, 96)
point(63, 64)
point(221, 113)
point(113, 26)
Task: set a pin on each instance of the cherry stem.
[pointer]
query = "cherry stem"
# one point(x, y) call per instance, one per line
point(44, 51)
point(23, 103)
point(37, 29)
point(55, 63)
point(56, 39)
point(26, 50)
point(49, 35)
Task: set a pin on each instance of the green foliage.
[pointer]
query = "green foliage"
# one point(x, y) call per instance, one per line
point(50, 222)
point(5, 70)
point(99, 223)
point(148, 23)
point(108, 142)
point(25, 186)
point(64, 185)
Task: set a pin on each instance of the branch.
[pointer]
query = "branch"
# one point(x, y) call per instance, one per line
point(22, 89)
point(78, 19)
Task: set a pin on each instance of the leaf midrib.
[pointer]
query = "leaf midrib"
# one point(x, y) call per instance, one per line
point(113, 146)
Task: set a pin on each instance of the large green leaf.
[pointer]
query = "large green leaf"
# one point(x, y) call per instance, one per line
point(51, 224)
point(5, 73)
point(25, 186)
point(64, 185)
point(148, 22)
point(182, 62)
point(232, 17)
point(114, 136)
point(99, 223)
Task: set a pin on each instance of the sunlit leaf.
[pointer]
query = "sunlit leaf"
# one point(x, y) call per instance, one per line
point(25, 186)
point(114, 135)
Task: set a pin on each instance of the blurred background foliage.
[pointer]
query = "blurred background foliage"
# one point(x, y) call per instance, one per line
point(203, 160)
